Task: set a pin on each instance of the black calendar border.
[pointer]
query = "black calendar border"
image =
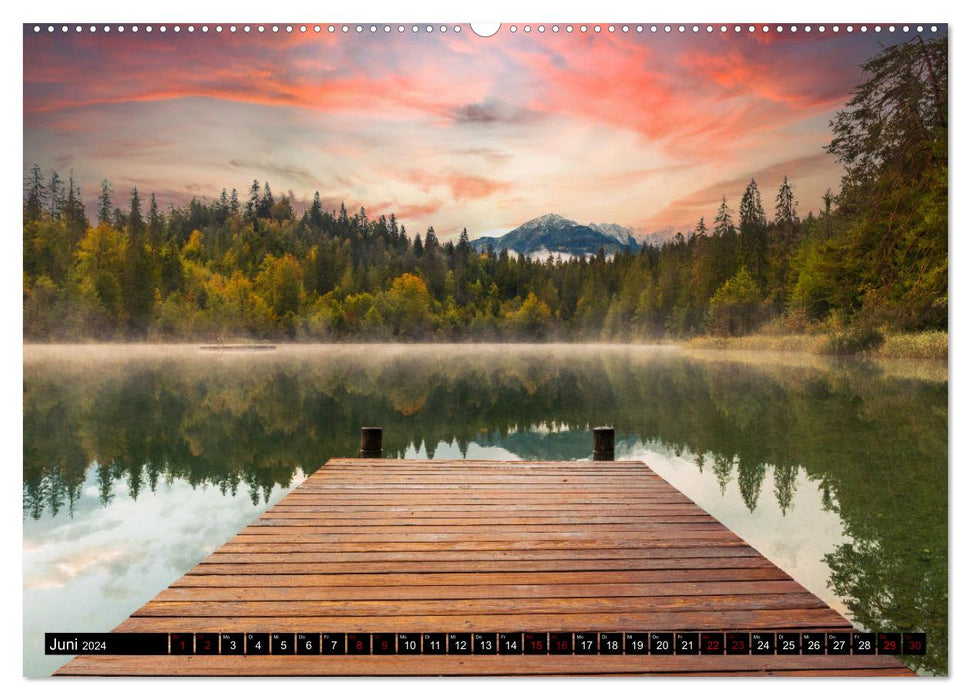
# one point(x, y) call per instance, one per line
point(517, 643)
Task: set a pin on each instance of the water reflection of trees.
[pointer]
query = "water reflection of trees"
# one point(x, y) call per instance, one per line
point(875, 445)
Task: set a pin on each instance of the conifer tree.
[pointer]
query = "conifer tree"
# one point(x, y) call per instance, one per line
point(36, 193)
point(135, 222)
point(105, 209)
point(55, 196)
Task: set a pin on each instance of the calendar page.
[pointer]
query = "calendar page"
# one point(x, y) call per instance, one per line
point(448, 349)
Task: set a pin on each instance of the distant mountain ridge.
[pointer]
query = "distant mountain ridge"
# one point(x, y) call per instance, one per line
point(555, 235)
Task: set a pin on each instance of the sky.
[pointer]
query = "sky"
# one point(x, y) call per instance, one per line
point(451, 130)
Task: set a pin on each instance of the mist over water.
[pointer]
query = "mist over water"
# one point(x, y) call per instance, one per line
point(140, 460)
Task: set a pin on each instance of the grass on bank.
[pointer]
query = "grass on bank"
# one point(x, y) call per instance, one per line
point(927, 345)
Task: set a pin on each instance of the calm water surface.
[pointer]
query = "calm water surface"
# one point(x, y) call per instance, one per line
point(139, 461)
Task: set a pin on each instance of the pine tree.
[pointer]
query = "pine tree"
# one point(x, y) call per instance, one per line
point(104, 203)
point(785, 205)
point(155, 220)
point(253, 204)
point(36, 193)
point(73, 213)
point(223, 205)
point(752, 233)
point(55, 196)
point(135, 222)
point(700, 229)
point(265, 210)
point(724, 226)
point(315, 215)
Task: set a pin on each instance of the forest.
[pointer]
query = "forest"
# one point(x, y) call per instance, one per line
point(870, 257)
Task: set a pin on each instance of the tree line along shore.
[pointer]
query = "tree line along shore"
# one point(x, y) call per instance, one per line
point(862, 271)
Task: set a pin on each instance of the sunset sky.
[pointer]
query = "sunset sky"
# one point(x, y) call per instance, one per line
point(447, 130)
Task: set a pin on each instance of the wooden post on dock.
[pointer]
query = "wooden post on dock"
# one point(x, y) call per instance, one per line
point(603, 444)
point(371, 442)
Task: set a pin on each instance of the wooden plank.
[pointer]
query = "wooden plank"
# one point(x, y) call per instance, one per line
point(463, 606)
point(472, 591)
point(474, 566)
point(809, 619)
point(451, 546)
point(392, 581)
point(484, 665)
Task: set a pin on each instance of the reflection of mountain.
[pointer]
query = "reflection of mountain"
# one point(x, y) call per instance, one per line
point(562, 445)
point(875, 445)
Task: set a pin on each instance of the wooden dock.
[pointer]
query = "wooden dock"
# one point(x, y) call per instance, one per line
point(375, 545)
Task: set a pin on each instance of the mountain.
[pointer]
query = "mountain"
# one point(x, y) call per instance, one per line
point(657, 238)
point(554, 235)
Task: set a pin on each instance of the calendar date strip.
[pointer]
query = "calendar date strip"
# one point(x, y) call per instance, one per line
point(486, 643)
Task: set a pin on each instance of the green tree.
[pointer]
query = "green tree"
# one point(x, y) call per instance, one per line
point(892, 140)
point(104, 203)
point(734, 307)
point(35, 195)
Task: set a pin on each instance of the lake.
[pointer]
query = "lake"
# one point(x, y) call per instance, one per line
point(140, 460)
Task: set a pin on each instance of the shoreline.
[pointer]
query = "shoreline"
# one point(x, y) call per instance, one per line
point(926, 346)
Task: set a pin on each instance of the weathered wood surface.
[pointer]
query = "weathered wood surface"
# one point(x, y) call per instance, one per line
point(372, 545)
